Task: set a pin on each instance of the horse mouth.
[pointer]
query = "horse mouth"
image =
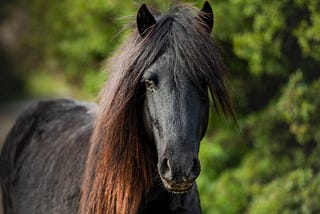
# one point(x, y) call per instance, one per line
point(177, 187)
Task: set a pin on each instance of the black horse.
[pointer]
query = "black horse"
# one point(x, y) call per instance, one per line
point(137, 151)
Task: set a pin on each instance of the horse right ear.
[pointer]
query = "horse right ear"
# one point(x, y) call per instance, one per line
point(206, 16)
point(144, 20)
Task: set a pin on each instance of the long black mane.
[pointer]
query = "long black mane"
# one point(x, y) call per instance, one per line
point(195, 56)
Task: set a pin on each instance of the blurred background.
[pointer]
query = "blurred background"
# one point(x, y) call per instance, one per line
point(271, 164)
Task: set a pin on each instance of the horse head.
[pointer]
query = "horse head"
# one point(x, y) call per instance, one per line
point(176, 106)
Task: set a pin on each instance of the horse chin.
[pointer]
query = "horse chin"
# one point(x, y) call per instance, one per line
point(177, 188)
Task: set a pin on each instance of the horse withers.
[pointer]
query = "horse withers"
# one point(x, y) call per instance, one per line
point(137, 150)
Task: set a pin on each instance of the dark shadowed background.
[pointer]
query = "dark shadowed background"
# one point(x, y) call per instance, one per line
point(271, 164)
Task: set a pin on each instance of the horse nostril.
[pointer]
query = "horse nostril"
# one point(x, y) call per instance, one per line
point(165, 169)
point(195, 170)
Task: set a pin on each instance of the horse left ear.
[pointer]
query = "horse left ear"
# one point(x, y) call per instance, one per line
point(144, 20)
point(206, 16)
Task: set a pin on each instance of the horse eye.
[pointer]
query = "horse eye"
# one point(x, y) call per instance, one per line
point(150, 86)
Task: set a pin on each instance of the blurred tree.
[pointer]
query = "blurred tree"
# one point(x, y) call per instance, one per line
point(272, 51)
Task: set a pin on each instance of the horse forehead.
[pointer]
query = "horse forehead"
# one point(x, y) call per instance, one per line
point(171, 75)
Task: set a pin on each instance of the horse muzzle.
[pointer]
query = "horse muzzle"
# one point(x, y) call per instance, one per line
point(179, 176)
point(177, 186)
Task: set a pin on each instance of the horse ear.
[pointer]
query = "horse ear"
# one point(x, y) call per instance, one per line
point(144, 20)
point(206, 16)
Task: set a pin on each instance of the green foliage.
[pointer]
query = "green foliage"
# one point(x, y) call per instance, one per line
point(262, 32)
point(296, 192)
point(299, 106)
point(272, 165)
point(230, 195)
point(307, 32)
point(73, 37)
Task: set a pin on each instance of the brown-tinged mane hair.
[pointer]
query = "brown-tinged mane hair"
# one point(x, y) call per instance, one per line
point(121, 160)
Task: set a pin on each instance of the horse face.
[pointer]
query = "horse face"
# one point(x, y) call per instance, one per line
point(176, 118)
